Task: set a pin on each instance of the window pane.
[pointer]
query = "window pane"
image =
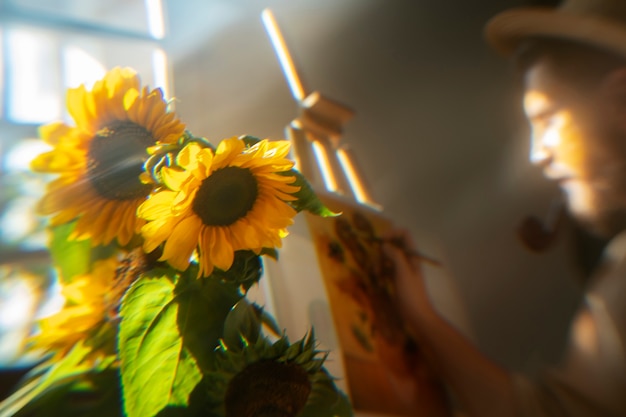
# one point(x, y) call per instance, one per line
point(127, 15)
point(47, 46)
point(2, 96)
point(42, 64)
point(20, 227)
point(33, 81)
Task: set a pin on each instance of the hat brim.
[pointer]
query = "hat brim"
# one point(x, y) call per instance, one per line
point(505, 31)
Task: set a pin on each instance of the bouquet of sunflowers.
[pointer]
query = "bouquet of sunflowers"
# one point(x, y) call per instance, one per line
point(157, 236)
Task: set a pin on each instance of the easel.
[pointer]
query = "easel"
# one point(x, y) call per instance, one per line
point(315, 134)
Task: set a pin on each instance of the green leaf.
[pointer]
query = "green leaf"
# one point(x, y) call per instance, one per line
point(325, 399)
point(307, 199)
point(207, 303)
point(71, 257)
point(188, 137)
point(186, 369)
point(249, 141)
point(271, 252)
point(241, 323)
point(74, 257)
point(156, 369)
point(267, 320)
point(245, 271)
point(95, 394)
point(51, 376)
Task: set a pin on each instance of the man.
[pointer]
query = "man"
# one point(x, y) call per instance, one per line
point(573, 61)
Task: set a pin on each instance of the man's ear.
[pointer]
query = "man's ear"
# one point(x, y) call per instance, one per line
point(613, 93)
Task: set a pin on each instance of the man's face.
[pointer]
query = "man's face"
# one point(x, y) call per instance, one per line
point(579, 146)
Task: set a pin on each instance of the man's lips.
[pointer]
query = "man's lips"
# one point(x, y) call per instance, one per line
point(563, 180)
point(557, 175)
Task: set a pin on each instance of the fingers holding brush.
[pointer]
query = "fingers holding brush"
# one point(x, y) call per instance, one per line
point(402, 240)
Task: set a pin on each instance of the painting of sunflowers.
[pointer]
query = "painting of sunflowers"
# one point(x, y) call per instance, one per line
point(156, 236)
point(385, 370)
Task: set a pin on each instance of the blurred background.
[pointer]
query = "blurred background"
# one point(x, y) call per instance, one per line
point(438, 134)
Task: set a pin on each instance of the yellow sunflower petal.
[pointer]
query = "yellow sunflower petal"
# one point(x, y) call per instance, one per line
point(130, 99)
point(118, 81)
point(173, 178)
point(87, 307)
point(248, 232)
point(85, 228)
point(279, 148)
point(157, 206)
point(76, 194)
point(77, 108)
point(52, 133)
point(116, 219)
point(205, 163)
point(56, 162)
point(264, 225)
point(222, 254)
point(154, 105)
point(188, 156)
point(185, 198)
point(156, 232)
point(182, 242)
point(132, 224)
point(207, 240)
point(256, 151)
point(167, 129)
point(114, 104)
point(227, 150)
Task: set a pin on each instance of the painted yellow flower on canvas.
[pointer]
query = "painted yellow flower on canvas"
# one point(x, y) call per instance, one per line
point(220, 202)
point(100, 159)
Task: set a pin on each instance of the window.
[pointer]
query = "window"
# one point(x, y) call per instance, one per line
point(47, 46)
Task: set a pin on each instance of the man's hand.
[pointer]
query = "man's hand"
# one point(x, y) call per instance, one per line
point(483, 388)
point(412, 294)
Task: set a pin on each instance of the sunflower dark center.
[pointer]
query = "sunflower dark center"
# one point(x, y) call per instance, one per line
point(115, 160)
point(268, 389)
point(225, 196)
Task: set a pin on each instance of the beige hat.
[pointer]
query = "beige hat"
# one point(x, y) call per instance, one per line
point(600, 23)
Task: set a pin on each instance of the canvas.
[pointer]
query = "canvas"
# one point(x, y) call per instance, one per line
point(384, 367)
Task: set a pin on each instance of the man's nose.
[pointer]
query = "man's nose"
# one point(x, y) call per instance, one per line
point(542, 146)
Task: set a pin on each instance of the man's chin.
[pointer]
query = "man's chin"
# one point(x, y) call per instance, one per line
point(601, 223)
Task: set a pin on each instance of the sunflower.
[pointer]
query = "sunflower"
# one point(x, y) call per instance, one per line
point(100, 159)
point(90, 310)
point(220, 202)
point(279, 379)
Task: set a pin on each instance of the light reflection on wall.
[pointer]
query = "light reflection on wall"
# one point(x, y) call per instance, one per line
point(354, 177)
point(326, 170)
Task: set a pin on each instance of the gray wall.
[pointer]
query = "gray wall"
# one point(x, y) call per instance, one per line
point(438, 132)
